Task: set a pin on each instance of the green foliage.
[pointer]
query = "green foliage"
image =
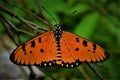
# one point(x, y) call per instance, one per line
point(95, 20)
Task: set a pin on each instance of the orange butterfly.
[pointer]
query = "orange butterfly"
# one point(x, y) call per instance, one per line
point(58, 47)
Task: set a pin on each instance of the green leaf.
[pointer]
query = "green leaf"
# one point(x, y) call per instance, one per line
point(86, 27)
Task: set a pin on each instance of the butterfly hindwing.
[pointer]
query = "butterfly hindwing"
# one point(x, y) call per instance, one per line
point(38, 51)
point(68, 59)
point(77, 49)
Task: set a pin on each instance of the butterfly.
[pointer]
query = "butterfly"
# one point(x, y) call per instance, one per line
point(58, 47)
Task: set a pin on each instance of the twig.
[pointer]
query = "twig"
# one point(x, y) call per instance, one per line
point(35, 27)
point(17, 30)
point(32, 74)
point(43, 19)
point(95, 71)
point(8, 30)
point(83, 72)
point(11, 37)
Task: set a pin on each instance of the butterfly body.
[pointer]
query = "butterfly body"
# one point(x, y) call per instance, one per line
point(58, 35)
point(58, 47)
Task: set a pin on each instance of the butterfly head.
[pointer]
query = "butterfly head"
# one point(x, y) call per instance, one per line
point(57, 32)
point(57, 26)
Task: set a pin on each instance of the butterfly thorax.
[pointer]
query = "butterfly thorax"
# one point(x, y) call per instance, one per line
point(58, 35)
point(57, 32)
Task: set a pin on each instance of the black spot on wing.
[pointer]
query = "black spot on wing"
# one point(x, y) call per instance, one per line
point(30, 51)
point(88, 50)
point(33, 44)
point(77, 40)
point(85, 43)
point(41, 50)
point(23, 48)
point(76, 49)
point(39, 40)
point(94, 46)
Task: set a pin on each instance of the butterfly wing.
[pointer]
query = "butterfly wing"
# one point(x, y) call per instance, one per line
point(76, 49)
point(41, 50)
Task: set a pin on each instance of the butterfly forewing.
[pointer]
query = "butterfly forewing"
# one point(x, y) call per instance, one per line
point(41, 50)
point(80, 49)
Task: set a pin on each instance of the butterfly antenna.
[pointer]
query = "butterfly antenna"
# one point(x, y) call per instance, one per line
point(49, 14)
point(67, 16)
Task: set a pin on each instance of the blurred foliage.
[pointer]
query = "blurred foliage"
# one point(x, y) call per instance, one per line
point(96, 20)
